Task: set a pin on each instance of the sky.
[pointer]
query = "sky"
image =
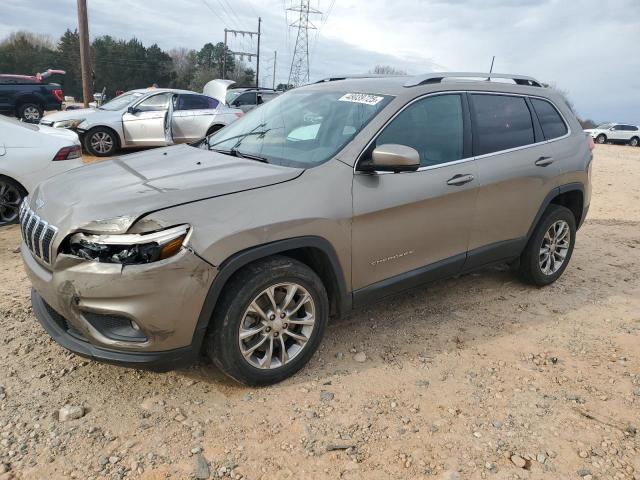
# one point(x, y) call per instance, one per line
point(587, 48)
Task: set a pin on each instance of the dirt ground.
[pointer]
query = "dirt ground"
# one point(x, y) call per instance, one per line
point(474, 377)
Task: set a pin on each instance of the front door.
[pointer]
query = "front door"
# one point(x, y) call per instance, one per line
point(407, 224)
point(145, 124)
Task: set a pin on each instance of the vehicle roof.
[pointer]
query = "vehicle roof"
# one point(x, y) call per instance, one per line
point(163, 90)
point(409, 85)
point(11, 76)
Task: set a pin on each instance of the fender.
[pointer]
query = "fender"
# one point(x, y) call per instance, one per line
point(576, 186)
point(244, 257)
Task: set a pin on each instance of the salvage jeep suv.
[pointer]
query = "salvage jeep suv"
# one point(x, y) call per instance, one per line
point(329, 197)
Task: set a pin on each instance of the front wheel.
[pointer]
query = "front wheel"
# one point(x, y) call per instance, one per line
point(549, 249)
point(11, 196)
point(100, 142)
point(269, 321)
point(601, 139)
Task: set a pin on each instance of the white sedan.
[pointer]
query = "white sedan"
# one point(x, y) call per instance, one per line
point(29, 154)
point(149, 117)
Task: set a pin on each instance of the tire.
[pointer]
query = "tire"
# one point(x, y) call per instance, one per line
point(533, 269)
point(601, 139)
point(101, 142)
point(214, 129)
point(634, 142)
point(235, 311)
point(30, 112)
point(11, 196)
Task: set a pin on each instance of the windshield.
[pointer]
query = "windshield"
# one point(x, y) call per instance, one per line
point(302, 128)
point(232, 95)
point(121, 101)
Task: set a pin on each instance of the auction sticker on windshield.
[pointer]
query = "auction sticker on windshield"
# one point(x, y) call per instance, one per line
point(361, 98)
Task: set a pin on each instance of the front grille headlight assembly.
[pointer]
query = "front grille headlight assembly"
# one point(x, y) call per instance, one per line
point(129, 249)
point(67, 123)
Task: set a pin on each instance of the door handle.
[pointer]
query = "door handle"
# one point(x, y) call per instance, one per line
point(460, 179)
point(544, 161)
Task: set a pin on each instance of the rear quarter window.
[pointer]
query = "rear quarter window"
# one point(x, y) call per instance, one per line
point(551, 121)
point(502, 122)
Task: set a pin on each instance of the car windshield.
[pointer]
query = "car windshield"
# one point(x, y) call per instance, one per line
point(121, 101)
point(302, 128)
point(232, 95)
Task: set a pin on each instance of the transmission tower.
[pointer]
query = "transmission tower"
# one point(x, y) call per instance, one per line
point(299, 73)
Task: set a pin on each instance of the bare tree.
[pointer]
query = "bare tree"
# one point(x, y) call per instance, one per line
point(387, 70)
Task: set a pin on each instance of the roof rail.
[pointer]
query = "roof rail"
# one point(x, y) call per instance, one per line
point(437, 77)
point(358, 75)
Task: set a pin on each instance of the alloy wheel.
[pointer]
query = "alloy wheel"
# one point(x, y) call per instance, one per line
point(10, 198)
point(277, 325)
point(101, 142)
point(555, 246)
point(31, 114)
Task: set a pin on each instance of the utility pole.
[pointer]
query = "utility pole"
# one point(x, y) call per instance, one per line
point(85, 61)
point(242, 54)
point(224, 56)
point(299, 73)
point(258, 55)
point(275, 56)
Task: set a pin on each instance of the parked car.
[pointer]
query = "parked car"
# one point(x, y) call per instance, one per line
point(247, 99)
point(616, 133)
point(139, 118)
point(27, 97)
point(246, 243)
point(29, 154)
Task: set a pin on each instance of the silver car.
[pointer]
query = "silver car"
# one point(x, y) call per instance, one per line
point(139, 118)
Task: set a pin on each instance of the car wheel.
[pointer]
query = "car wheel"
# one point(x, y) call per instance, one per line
point(549, 249)
point(269, 321)
point(11, 196)
point(30, 112)
point(601, 139)
point(100, 142)
point(634, 142)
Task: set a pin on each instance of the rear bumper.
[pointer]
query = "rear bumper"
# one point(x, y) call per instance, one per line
point(64, 334)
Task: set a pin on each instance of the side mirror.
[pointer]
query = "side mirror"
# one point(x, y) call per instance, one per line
point(394, 158)
point(612, 129)
point(132, 110)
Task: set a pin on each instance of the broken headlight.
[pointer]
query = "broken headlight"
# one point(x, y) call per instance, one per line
point(129, 249)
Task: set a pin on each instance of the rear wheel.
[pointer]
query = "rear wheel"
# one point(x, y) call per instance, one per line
point(101, 142)
point(549, 249)
point(30, 112)
point(634, 142)
point(11, 196)
point(601, 139)
point(269, 321)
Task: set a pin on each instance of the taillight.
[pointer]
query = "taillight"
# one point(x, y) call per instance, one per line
point(590, 143)
point(67, 153)
point(59, 94)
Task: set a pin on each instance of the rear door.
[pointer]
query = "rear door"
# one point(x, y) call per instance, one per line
point(146, 125)
point(406, 223)
point(618, 133)
point(516, 171)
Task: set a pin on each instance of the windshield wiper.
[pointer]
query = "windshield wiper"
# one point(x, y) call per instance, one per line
point(236, 153)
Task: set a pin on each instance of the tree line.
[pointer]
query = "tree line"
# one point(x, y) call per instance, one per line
point(119, 64)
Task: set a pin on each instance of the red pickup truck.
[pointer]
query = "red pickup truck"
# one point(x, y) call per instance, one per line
point(27, 97)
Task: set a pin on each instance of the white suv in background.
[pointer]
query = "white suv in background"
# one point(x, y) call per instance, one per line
point(616, 133)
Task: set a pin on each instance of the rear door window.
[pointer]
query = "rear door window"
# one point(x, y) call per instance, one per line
point(502, 122)
point(550, 120)
point(196, 102)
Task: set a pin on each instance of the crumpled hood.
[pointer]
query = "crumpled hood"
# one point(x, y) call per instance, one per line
point(110, 195)
point(74, 114)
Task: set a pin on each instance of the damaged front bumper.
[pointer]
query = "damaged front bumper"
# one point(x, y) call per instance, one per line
point(134, 315)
